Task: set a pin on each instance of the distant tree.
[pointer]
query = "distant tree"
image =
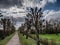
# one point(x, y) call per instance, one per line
point(4, 26)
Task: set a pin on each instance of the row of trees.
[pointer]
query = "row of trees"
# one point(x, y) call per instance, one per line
point(32, 20)
point(47, 27)
point(8, 27)
point(34, 24)
point(51, 27)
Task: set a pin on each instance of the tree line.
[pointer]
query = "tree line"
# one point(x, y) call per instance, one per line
point(8, 27)
point(34, 25)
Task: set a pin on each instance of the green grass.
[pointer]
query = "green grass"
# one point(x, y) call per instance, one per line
point(25, 41)
point(29, 41)
point(51, 36)
point(4, 41)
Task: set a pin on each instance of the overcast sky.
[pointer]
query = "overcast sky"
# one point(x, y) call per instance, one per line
point(17, 8)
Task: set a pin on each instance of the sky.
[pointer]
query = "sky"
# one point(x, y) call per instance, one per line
point(18, 8)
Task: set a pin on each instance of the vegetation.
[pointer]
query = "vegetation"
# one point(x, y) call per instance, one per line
point(8, 27)
point(34, 25)
point(4, 41)
point(54, 37)
point(25, 41)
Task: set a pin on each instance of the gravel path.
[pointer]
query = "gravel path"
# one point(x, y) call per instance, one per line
point(14, 40)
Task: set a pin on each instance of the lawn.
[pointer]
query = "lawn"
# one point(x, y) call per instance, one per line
point(4, 41)
point(51, 36)
point(25, 41)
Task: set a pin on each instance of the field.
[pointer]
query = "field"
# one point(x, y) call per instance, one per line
point(54, 37)
point(25, 41)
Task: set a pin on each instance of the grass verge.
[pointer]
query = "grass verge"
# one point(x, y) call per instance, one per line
point(4, 41)
point(54, 37)
point(25, 41)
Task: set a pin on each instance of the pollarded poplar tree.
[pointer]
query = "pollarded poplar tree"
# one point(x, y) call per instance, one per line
point(33, 19)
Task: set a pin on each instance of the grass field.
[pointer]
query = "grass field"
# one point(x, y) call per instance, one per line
point(29, 41)
point(25, 41)
point(51, 37)
point(4, 41)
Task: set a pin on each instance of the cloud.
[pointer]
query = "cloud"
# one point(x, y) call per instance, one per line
point(18, 25)
point(52, 1)
point(13, 11)
point(38, 3)
point(13, 7)
point(51, 14)
point(10, 3)
point(25, 3)
point(19, 12)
